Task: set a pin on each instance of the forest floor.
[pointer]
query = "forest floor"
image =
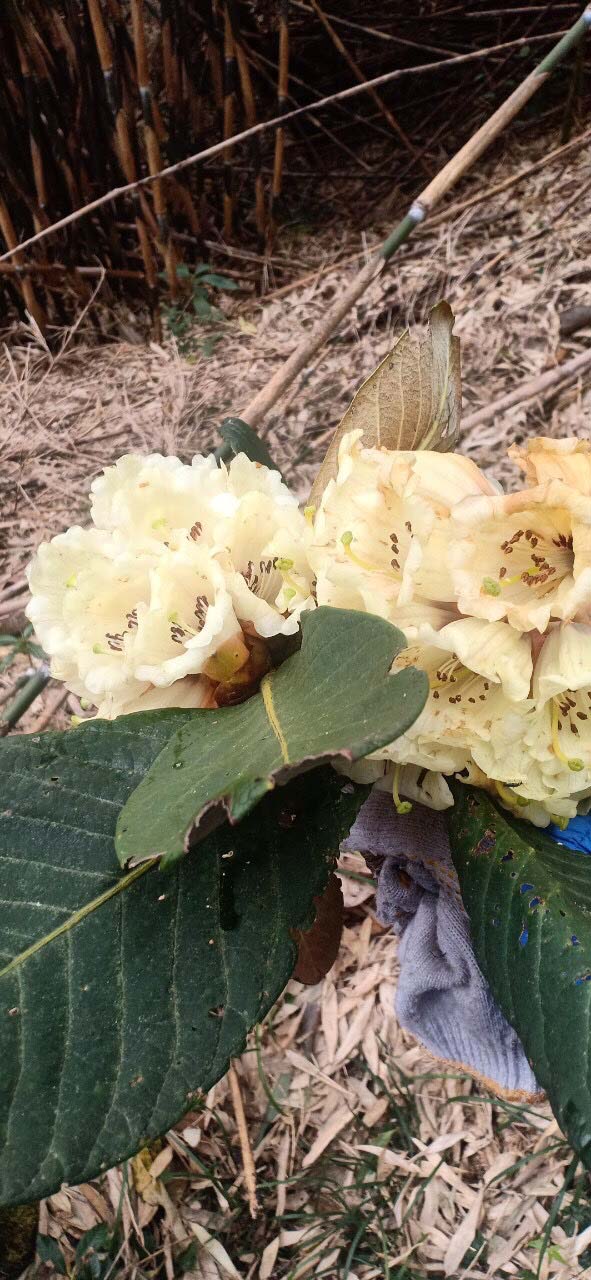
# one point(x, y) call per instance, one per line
point(371, 1159)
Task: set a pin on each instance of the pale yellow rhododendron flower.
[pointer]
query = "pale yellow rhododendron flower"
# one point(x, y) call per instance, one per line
point(540, 750)
point(476, 670)
point(562, 692)
point(375, 541)
point(185, 565)
point(188, 694)
point(86, 587)
point(542, 458)
point(190, 618)
point(154, 497)
point(525, 556)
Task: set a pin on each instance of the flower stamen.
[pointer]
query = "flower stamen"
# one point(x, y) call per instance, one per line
point(572, 762)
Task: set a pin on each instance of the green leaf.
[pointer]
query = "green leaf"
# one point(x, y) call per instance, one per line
point(243, 439)
point(411, 401)
point(49, 1252)
point(217, 281)
point(529, 904)
point(123, 995)
point(202, 306)
point(334, 698)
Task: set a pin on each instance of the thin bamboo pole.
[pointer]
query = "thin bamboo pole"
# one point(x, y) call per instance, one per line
point(572, 37)
point(259, 406)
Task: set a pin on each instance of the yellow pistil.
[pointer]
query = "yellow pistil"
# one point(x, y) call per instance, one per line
point(571, 762)
point(518, 577)
point(284, 565)
point(175, 619)
point(509, 797)
point(97, 648)
point(160, 523)
point(71, 582)
point(494, 586)
point(401, 806)
point(346, 540)
point(309, 513)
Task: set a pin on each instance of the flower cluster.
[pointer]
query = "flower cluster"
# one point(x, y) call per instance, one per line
point(174, 595)
point(493, 593)
point(170, 598)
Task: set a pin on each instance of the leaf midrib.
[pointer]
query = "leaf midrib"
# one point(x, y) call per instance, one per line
point(77, 916)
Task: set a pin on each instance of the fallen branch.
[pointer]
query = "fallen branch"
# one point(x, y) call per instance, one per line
point(245, 1147)
point(530, 390)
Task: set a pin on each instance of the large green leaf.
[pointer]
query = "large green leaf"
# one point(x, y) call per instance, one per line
point(121, 995)
point(332, 698)
point(529, 903)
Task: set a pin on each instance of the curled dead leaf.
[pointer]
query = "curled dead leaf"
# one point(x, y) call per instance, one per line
point(318, 946)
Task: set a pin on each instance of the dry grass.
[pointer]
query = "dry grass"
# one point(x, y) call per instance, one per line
point(370, 1160)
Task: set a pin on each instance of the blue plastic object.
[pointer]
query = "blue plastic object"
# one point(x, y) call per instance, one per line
point(577, 835)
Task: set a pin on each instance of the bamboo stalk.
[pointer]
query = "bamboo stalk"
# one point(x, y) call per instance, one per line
point(260, 62)
point(358, 73)
point(29, 296)
point(373, 31)
point(250, 113)
point(122, 139)
point(229, 113)
point(282, 89)
point(172, 87)
point(573, 36)
point(49, 268)
point(41, 218)
point(152, 143)
point(459, 164)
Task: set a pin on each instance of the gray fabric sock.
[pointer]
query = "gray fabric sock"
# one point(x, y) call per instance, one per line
point(442, 996)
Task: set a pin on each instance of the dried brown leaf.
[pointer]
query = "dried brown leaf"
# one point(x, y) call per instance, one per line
point(318, 946)
point(411, 401)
